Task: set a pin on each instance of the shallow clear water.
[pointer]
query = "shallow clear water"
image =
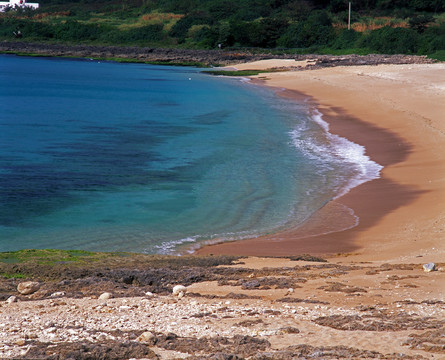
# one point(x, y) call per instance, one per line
point(131, 157)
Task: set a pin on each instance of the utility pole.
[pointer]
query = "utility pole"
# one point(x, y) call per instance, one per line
point(349, 17)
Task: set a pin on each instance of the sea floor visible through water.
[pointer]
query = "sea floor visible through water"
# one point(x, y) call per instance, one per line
point(132, 157)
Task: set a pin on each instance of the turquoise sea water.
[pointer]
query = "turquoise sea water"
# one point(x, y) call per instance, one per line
point(131, 157)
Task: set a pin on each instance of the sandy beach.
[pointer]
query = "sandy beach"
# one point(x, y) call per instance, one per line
point(397, 113)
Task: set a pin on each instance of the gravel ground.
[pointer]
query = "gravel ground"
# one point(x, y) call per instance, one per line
point(244, 312)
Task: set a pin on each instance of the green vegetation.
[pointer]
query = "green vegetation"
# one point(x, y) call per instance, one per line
point(438, 55)
point(50, 264)
point(379, 26)
point(12, 275)
point(88, 258)
point(49, 256)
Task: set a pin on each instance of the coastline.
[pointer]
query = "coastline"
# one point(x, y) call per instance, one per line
point(194, 57)
point(397, 119)
point(87, 305)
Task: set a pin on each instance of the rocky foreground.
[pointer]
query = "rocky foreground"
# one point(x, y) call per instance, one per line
point(203, 57)
point(225, 308)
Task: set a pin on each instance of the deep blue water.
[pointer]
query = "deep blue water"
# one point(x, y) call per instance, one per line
point(132, 157)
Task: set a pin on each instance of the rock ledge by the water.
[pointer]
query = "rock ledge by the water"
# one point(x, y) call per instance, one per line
point(205, 57)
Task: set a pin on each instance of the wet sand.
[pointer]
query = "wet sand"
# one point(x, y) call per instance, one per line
point(397, 113)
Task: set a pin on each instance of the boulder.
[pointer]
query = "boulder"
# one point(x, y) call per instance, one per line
point(147, 337)
point(28, 287)
point(105, 296)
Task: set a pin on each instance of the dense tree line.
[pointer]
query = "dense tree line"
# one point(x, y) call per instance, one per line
point(306, 25)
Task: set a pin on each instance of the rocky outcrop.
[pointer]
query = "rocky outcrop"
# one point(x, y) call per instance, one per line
point(204, 57)
point(145, 320)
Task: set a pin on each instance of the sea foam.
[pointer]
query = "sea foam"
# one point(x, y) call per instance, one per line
point(332, 152)
point(332, 149)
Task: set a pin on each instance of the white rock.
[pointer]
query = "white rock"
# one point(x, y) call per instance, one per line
point(149, 294)
point(429, 267)
point(146, 337)
point(289, 291)
point(105, 296)
point(178, 290)
point(11, 299)
point(58, 293)
point(28, 287)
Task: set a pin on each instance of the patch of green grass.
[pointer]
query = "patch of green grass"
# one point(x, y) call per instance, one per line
point(13, 276)
point(79, 258)
point(48, 256)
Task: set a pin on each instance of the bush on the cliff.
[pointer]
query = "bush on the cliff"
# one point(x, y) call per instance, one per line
point(316, 30)
point(182, 26)
point(29, 29)
point(74, 31)
point(388, 40)
point(148, 33)
point(206, 37)
point(346, 39)
point(433, 39)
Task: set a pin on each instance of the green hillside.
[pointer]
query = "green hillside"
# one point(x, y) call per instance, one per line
point(377, 26)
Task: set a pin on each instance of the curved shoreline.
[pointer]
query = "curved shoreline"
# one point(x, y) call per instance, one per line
point(392, 129)
point(318, 234)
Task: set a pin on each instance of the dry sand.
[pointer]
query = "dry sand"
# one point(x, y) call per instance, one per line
point(398, 113)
